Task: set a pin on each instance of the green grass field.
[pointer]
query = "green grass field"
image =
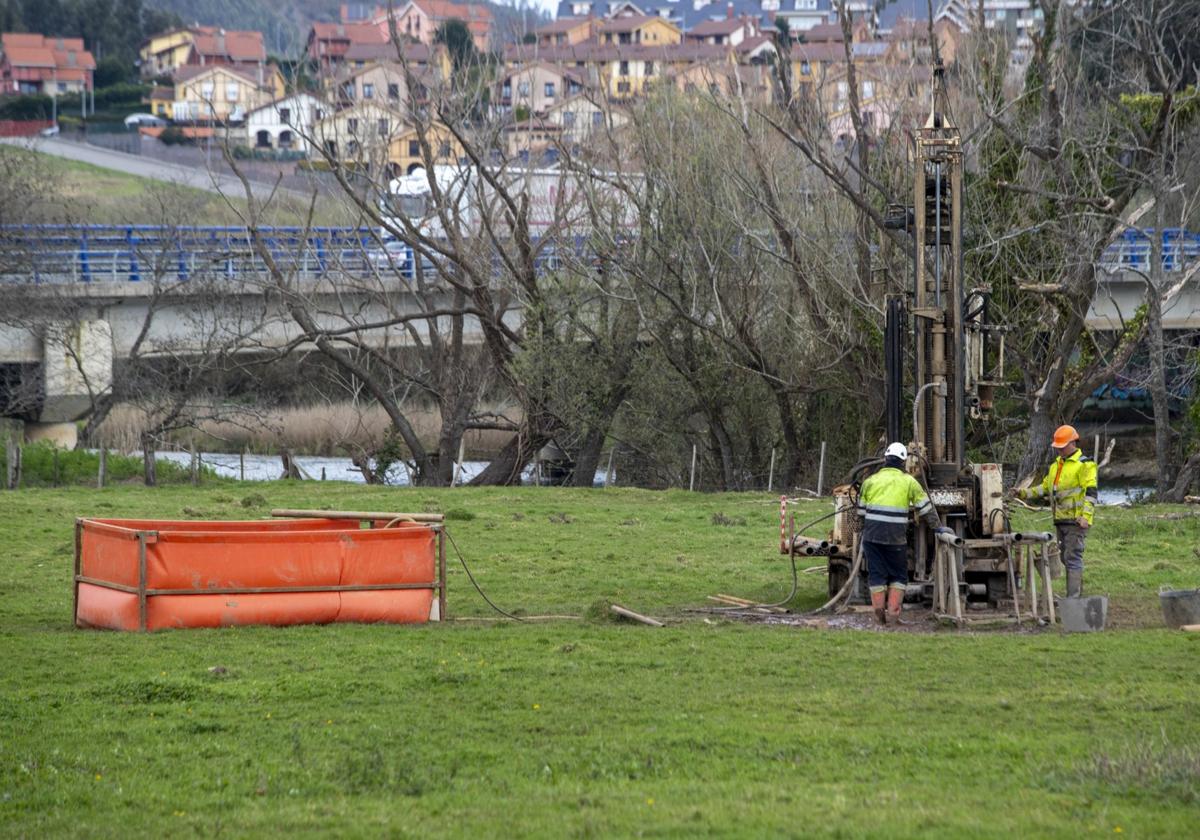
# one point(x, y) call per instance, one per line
point(93, 195)
point(589, 727)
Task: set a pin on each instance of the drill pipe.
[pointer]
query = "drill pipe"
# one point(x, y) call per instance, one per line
point(950, 539)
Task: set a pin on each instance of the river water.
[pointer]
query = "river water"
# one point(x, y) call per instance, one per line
point(270, 468)
point(316, 467)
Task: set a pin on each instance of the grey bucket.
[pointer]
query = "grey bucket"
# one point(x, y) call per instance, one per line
point(1180, 606)
point(1083, 615)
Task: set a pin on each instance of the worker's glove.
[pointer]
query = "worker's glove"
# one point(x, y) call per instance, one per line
point(1022, 493)
point(944, 530)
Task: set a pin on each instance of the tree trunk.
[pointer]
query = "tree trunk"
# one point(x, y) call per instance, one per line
point(1158, 358)
point(148, 465)
point(587, 458)
point(725, 450)
point(1186, 478)
point(505, 469)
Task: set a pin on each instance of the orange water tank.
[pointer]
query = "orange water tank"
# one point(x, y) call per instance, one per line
point(133, 574)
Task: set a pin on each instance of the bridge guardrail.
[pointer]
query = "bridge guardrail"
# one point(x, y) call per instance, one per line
point(134, 253)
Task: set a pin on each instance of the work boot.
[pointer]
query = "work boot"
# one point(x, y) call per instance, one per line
point(895, 603)
point(1074, 583)
point(878, 602)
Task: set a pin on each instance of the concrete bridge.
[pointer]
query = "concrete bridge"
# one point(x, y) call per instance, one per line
point(77, 298)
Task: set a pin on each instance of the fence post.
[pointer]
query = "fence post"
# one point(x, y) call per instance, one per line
point(771, 472)
point(195, 466)
point(692, 480)
point(242, 464)
point(150, 473)
point(103, 471)
point(13, 456)
point(821, 471)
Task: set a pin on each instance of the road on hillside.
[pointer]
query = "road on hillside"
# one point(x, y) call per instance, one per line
point(146, 167)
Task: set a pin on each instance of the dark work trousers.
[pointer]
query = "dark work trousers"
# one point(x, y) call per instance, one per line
point(1071, 539)
point(887, 565)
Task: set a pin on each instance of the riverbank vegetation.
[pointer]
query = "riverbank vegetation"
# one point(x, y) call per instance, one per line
point(703, 727)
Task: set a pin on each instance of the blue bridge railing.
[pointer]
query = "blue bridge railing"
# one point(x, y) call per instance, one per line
point(135, 253)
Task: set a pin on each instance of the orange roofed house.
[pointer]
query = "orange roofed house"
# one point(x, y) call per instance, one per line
point(31, 63)
point(204, 46)
point(421, 19)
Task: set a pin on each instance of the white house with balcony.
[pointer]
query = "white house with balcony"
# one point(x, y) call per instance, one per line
point(284, 124)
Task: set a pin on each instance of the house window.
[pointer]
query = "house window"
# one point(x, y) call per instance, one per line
point(414, 148)
point(331, 146)
point(868, 90)
point(805, 68)
point(624, 69)
point(352, 148)
point(444, 149)
point(649, 68)
point(843, 90)
point(231, 91)
point(623, 87)
point(574, 88)
point(368, 90)
point(348, 90)
point(383, 128)
point(393, 92)
point(523, 89)
point(352, 125)
point(568, 119)
point(285, 115)
point(206, 90)
point(549, 90)
point(597, 118)
point(318, 114)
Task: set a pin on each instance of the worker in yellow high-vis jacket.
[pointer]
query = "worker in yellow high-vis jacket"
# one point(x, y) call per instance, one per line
point(1070, 486)
point(885, 503)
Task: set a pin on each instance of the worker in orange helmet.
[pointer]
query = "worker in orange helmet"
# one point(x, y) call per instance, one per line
point(1070, 485)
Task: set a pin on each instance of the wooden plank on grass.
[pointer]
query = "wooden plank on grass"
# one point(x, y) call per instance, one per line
point(630, 614)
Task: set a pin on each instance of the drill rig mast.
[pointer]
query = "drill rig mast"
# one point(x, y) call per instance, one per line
point(956, 362)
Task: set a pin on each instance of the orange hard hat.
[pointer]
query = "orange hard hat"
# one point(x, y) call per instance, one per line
point(1064, 435)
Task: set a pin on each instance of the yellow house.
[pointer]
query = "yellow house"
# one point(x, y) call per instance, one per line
point(164, 53)
point(405, 155)
point(221, 94)
point(161, 100)
point(361, 134)
point(639, 29)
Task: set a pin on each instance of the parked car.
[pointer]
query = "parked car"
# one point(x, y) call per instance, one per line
point(139, 120)
point(49, 131)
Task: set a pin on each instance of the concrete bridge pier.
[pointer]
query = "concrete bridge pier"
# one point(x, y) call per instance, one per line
point(64, 365)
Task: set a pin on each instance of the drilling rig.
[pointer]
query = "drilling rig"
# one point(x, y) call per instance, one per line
point(944, 358)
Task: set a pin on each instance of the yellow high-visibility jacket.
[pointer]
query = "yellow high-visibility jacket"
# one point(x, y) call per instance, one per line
point(1070, 485)
point(884, 503)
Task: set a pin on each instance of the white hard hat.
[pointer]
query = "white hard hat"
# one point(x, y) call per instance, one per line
point(897, 450)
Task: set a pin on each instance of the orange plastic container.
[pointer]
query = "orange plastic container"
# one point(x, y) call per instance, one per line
point(133, 574)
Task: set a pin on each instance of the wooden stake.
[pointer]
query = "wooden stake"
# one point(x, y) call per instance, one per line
point(242, 464)
point(771, 472)
point(821, 470)
point(458, 467)
point(608, 470)
point(630, 614)
point(1046, 581)
point(103, 471)
point(692, 480)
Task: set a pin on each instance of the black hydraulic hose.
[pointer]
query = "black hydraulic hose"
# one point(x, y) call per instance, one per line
point(795, 574)
point(471, 577)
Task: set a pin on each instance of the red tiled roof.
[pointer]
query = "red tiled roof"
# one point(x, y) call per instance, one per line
point(236, 45)
point(726, 26)
point(561, 25)
point(824, 32)
point(67, 55)
point(591, 51)
point(627, 23)
point(354, 33)
point(386, 51)
point(443, 10)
